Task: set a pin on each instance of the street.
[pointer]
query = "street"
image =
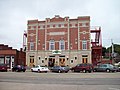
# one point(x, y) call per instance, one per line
point(58, 81)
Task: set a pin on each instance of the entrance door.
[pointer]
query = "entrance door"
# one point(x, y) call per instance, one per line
point(84, 60)
point(62, 61)
point(51, 62)
point(31, 61)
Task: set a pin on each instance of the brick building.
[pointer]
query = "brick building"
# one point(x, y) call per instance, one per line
point(11, 56)
point(58, 41)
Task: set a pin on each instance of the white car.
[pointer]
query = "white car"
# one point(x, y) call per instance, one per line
point(39, 68)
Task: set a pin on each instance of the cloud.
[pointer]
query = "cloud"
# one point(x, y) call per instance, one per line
point(15, 13)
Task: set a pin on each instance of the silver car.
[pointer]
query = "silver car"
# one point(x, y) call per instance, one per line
point(105, 68)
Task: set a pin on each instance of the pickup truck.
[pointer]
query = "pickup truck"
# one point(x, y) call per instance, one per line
point(39, 69)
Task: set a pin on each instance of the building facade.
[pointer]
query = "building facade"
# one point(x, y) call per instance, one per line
point(58, 41)
point(11, 57)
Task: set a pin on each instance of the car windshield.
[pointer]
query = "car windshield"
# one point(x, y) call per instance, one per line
point(36, 66)
point(111, 66)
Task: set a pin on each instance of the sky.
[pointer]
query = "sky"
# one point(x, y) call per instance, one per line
point(14, 15)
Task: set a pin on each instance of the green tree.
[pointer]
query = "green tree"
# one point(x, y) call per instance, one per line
point(116, 49)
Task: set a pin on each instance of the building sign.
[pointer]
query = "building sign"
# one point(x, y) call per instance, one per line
point(56, 52)
point(57, 33)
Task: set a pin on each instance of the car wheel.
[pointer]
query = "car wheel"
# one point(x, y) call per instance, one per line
point(84, 71)
point(72, 70)
point(107, 70)
point(39, 70)
point(59, 71)
point(94, 70)
point(31, 70)
point(17, 70)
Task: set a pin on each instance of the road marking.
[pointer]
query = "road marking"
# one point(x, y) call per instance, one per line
point(114, 89)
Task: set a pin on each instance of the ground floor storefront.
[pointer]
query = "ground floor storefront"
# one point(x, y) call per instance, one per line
point(61, 58)
point(8, 60)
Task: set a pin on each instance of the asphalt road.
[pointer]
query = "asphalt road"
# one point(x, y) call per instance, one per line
point(58, 81)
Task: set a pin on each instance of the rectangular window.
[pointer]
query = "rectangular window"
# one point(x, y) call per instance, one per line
point(84, 45)
point(62, 25)
point(51, 26)
point(61, 45)
point(1, 60)
point(51, 45)
point(31, 46)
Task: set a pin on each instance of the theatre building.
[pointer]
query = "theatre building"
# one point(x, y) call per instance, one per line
point(58, 41)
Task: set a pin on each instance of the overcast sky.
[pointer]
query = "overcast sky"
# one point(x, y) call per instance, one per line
point(15, 13)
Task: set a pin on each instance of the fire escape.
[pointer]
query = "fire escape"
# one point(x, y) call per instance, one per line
point(96, 43)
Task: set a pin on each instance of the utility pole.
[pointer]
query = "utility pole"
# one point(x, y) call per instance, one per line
point(112, 51)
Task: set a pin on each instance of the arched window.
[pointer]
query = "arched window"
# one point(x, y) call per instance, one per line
point(52, 45)
point(61, 45)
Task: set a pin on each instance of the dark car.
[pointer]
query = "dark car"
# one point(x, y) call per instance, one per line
point(105, 68)
point(60, 69)
point(19, 68)
point(84, 67)
point(3, 67)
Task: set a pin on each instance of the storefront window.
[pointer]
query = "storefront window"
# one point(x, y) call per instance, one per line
point(1, 60)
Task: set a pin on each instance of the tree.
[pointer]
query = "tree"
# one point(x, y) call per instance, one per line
point(116, 49)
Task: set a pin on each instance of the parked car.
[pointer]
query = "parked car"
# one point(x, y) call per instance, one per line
point(60, 69)
point(3, 67)
point(19, 68)
point(84, 67)
point(39, 68)
point(105, 68)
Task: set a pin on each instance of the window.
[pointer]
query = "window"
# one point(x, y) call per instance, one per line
point(7, 60)
point(57, 26)
point(61, 45)
point(62, 25)
point(83, 24)
point(31, 46)
point(84, 45)
point(52, 45)
point(51, 26)
point(2, 60)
